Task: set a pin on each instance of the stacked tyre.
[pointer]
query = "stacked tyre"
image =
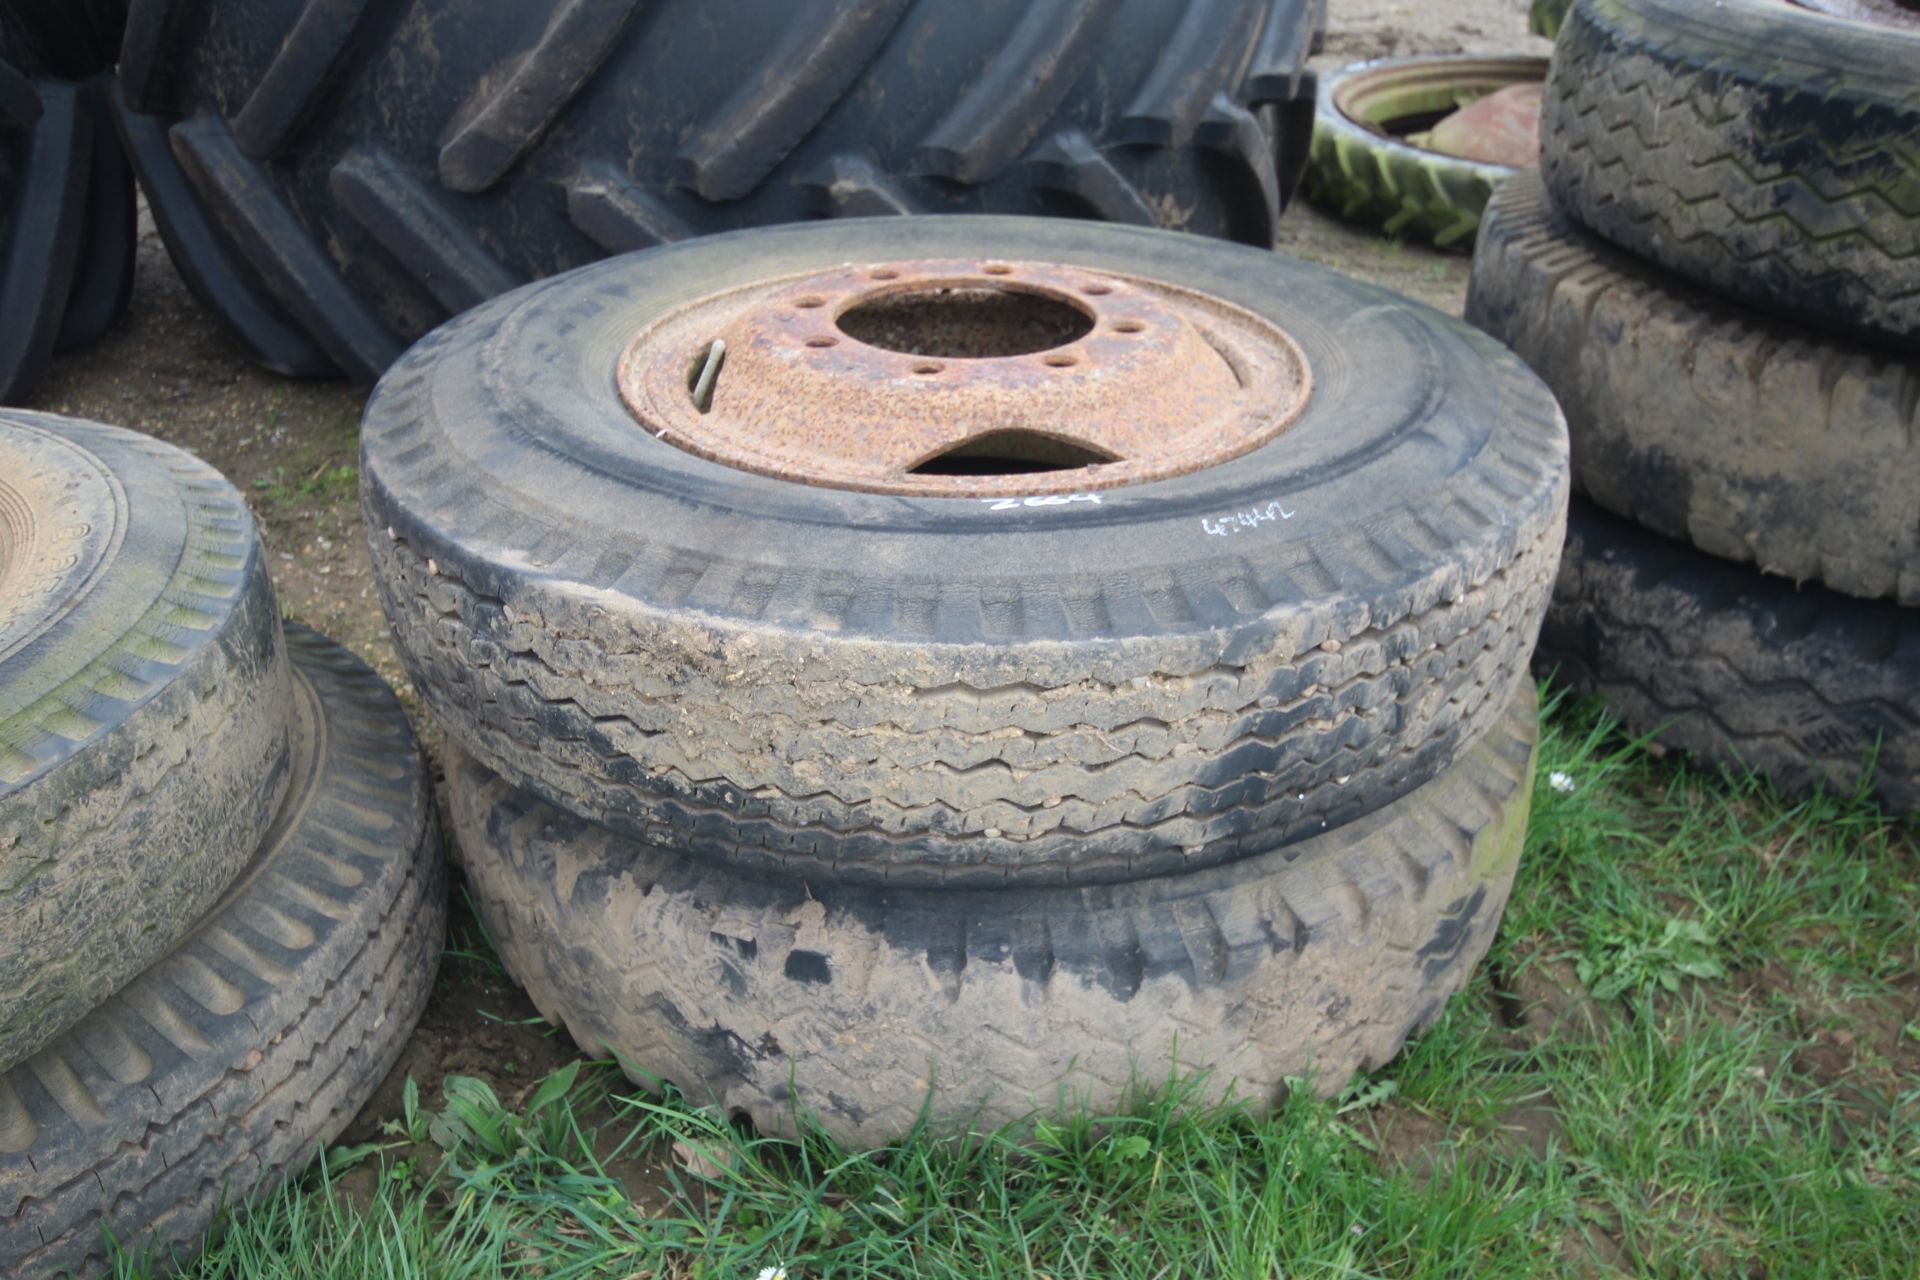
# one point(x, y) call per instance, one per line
point(222, 890)
point(1718, 272)
point(942, 666)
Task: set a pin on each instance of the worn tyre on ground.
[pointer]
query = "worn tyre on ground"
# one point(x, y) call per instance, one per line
point(336, 179)
point(1754, 146)
point(230, 1061)
point(907, 607)
point(775, 996)
point(1739, 667)
point(1363, 165)
point(143, 701)
point(1752, 437)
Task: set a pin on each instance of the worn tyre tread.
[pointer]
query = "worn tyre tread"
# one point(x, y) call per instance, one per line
point(278, 135)
point(1741, 668)
point(1752, 437)
point(142, 733)
point(230, 1061)
point(1016, 723)
point(774, 996)
point(1770, 153)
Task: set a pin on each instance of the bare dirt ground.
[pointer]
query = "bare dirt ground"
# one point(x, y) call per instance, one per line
point(169, 370)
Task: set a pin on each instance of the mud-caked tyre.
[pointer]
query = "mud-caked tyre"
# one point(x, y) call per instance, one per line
point(1743, 669)
point(236, 1056)
point(336, 180)
point(1086, 683)
point(1754, 437)
point(873, 1010)
point(1757, 147)
point(143, 708)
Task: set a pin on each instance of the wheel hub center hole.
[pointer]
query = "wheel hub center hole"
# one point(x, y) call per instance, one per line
point(965, 322)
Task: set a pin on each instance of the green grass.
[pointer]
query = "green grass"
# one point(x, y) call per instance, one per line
point(1675, 1120)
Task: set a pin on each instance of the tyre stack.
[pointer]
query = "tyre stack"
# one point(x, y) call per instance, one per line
point(1717, 271)
point(942, 667)
point(221, 892)
point(66, 193)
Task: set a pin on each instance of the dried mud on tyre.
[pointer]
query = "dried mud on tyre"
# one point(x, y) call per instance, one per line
point(967, 689)
point(227, 1064)
point(1754, 438)
point(776, 997)
point(143, 705)
point(1739, 667)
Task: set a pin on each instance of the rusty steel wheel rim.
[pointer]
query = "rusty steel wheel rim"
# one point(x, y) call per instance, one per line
point(964, 378)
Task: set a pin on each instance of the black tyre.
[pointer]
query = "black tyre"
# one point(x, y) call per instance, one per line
point(362, 172)
point(1364, 168)
point(253, 1042)
point(909, 687)
point(1752, 437)
point(66, 196)
point(143, 705)
point(774, 996)
point(1754, 146)
point(1738, 667)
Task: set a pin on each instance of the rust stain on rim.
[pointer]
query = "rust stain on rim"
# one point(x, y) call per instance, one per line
point(964, 378)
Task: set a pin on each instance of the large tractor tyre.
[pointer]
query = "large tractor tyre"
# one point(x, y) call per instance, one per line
point(1754, 146)
point(1368, 163)
point(1752, 437)
point(252, 1043)
point(1738, 667)
point(359, 173)
point(872, 1009)
point(143, 705)
point(1229, 549)
point(67, 230)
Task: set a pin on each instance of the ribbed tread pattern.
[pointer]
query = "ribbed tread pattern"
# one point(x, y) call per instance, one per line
point(1766, 152)
point(756, 993)
point(223, 1067)
point(529, 158)
point(145, 746)
point(46, 141)
point(1738, 667)
point(1752, 437)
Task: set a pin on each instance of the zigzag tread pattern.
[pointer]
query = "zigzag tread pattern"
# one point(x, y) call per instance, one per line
point(1758, 176)
point(1178, 149)
point(1230, 959)
point(220, 1068)
point(1199, 765)
point(1738, 667)
point(1739, 391)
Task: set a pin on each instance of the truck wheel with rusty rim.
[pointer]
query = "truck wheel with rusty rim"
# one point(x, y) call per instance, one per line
point(1753, 437)
point(143, 705)
point(335, 180)
point(1374, 158)
point(963, 548)
point(1759, 147)
point(871, 1009)
point(253, 1041)
point(1739, 667)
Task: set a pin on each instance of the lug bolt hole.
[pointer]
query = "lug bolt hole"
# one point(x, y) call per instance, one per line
point(1096, 290)
point(883, 273)
point(809, 302)
point(927, 368)
point(822, 342)
point(1128, 326)
point(997, 269)
point(1063, 361)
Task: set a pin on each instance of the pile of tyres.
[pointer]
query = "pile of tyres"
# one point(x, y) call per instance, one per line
point(222, 891)
point(1717, 270)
